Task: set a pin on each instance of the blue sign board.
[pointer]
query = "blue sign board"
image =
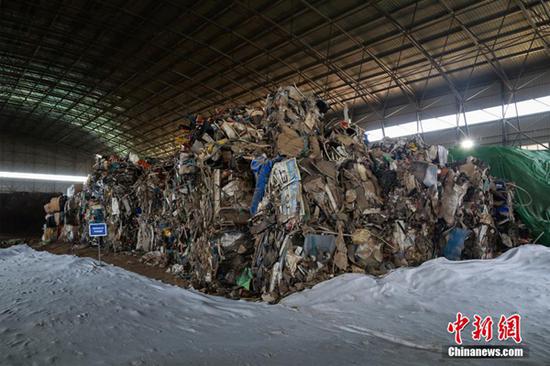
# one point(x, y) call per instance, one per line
point(97, 230)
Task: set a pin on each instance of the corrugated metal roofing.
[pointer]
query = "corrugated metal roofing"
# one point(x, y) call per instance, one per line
point(116, 75)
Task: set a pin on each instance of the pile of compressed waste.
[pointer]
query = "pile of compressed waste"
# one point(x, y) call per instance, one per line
point(70, 231)
point(53, 225)
point(62, 220)
point(266, 202)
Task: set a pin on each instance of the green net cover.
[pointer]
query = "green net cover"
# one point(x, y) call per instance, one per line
point(530, 171)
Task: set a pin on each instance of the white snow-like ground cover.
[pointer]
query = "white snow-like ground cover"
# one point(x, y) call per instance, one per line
point(65, 310)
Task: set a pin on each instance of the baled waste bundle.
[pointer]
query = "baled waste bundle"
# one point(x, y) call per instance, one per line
point(268, 202)
point(54, 218)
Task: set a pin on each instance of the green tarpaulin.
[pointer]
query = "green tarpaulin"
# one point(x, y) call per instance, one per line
point(530, 170)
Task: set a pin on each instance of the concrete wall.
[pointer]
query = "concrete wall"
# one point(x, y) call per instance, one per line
point(21, 201)
point(29, 155)
point(22, 213)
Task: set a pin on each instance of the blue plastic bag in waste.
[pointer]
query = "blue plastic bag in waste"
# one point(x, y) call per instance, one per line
point(366, 138)
point(455, 244)
point(261, 167)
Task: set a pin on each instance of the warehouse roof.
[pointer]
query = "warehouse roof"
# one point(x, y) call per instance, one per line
point(122, 75)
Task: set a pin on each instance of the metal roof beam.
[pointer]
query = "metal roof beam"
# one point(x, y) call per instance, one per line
point(533, 25)
point(362, 91)
point(380, 90)
point(422, 50)
point(406, 89)
point(482, 47)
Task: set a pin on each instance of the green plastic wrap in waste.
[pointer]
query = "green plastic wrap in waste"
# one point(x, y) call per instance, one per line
point(245, 278)
point(530, 171)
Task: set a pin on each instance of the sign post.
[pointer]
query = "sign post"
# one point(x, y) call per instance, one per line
point(98, 230)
